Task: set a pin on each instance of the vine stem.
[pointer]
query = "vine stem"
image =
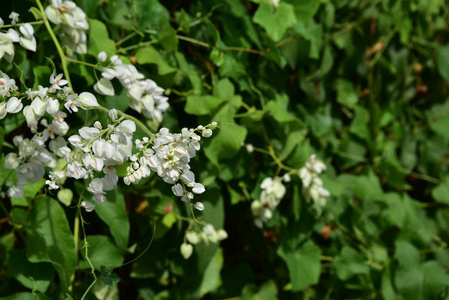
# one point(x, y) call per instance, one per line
point(56, 42)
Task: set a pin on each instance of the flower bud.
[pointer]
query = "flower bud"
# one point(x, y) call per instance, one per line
point(186, 250)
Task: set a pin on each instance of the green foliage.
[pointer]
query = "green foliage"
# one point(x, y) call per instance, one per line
point(361, 84)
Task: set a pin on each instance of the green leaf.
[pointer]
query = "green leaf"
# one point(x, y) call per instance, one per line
point(436, 280)
point(359, 125)
point(212, 279)
point(167, 35)
point(25, 296)
point(50, 239)
point(312, 32)
point(442, 62)
point(33, 276)
point(441, 192)
point(346, 93)
point(349, 263)
point(36, 13)
point(108, 277)
point(201, 105)
point(267, 291)
point(227, 143)
point(293, 139)
point(275, 23)
point(99, 39)
point(387, 289)
point(367, 187)
point(409, 276)
point(149, 55)
point(304, 9)
point(278, 108)
point(102, 252)
point(113, 213)
point(224, 89)
point(29, 193)
point(439, 119)
point(303, 264)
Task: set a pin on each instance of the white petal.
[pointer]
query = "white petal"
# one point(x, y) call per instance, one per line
point(28, 43)
point(88, 99)
point(104, 87)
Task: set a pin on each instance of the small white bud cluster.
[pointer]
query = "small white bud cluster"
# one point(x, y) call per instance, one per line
point(26, 38)
point(312, 184)
point(208, 235)
point(73, 23)
point(272, 193)
point(145, 96)
point(169, 157)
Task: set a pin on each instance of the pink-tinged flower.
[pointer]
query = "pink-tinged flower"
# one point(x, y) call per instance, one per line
point(76, 170)
point(88, 133)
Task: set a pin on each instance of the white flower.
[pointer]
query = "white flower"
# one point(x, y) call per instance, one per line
point(57, 81)
point(15, 192)
point(14, 105)
point(88, 206)
point(207, 133)
point(193, 237)
point(93, 162)
point(104, 87)
point(76, 170)
point(261, 213)
point(88, 99)
point(12, 161)
point(88, 133)
point(312, 184)
point(199, 206)
point(178, 190)
point(198, 188)
point(127, 127)
point(76, 141)
point(3, 110)
point(6, 44)
point(96, 186)
point(72, 104)
point(28, 41)
point(113, 114)
point(14, 17)
point(102, 56)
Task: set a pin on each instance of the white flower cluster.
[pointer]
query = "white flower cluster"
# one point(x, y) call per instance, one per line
point(26, 38)
point(99, 150)
point(73, 23)
point(169, 157)
point(312, 184)
point(33, 155)
point(272, 193)
point(93, 153)
point(208, 235)
point(145, 96)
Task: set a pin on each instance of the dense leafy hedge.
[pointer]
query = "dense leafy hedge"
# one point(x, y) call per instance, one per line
point(361, 84)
